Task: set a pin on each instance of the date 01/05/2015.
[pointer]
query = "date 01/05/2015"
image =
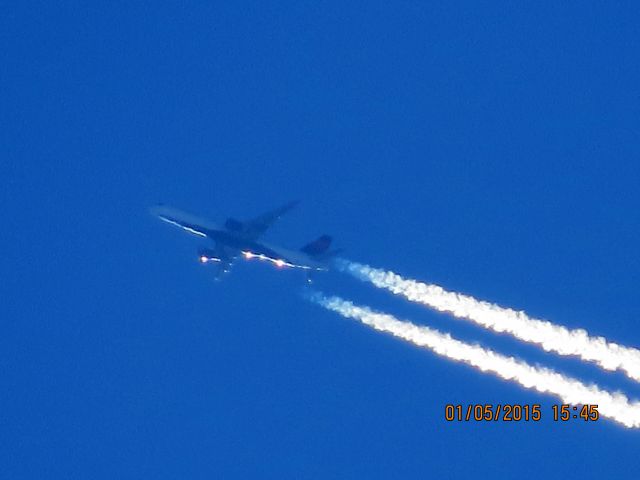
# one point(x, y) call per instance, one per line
point(515, 412)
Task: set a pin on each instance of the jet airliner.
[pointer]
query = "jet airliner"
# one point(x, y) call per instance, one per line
point(237, 239)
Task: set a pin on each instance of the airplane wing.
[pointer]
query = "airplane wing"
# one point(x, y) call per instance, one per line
point(191, 223)
point(256, 227)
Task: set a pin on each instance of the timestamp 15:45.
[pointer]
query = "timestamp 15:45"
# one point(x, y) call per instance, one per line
point(567, 412)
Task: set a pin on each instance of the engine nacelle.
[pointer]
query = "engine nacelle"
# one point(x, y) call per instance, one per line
point(206, 255)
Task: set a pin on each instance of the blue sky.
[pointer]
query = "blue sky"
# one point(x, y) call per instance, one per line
point(491, 148)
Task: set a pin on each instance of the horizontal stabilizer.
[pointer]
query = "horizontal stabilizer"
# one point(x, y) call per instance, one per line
point(317, 247)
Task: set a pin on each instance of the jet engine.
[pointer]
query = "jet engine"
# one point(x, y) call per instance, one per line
point(206, 255)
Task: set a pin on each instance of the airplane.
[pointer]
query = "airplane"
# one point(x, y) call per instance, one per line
point(242, 239)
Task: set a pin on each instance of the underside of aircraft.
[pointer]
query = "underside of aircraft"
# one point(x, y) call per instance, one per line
point(242, 239)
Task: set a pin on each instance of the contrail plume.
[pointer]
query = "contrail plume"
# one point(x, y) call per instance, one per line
point(551, 337)
point(615, 406)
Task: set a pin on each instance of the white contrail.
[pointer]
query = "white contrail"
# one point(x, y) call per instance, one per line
point(551, 337)
point(615, 406)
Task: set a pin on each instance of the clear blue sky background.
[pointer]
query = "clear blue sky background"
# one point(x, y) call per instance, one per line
point(492, 148)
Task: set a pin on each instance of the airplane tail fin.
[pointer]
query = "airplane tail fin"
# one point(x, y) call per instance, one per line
point(317, 247)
